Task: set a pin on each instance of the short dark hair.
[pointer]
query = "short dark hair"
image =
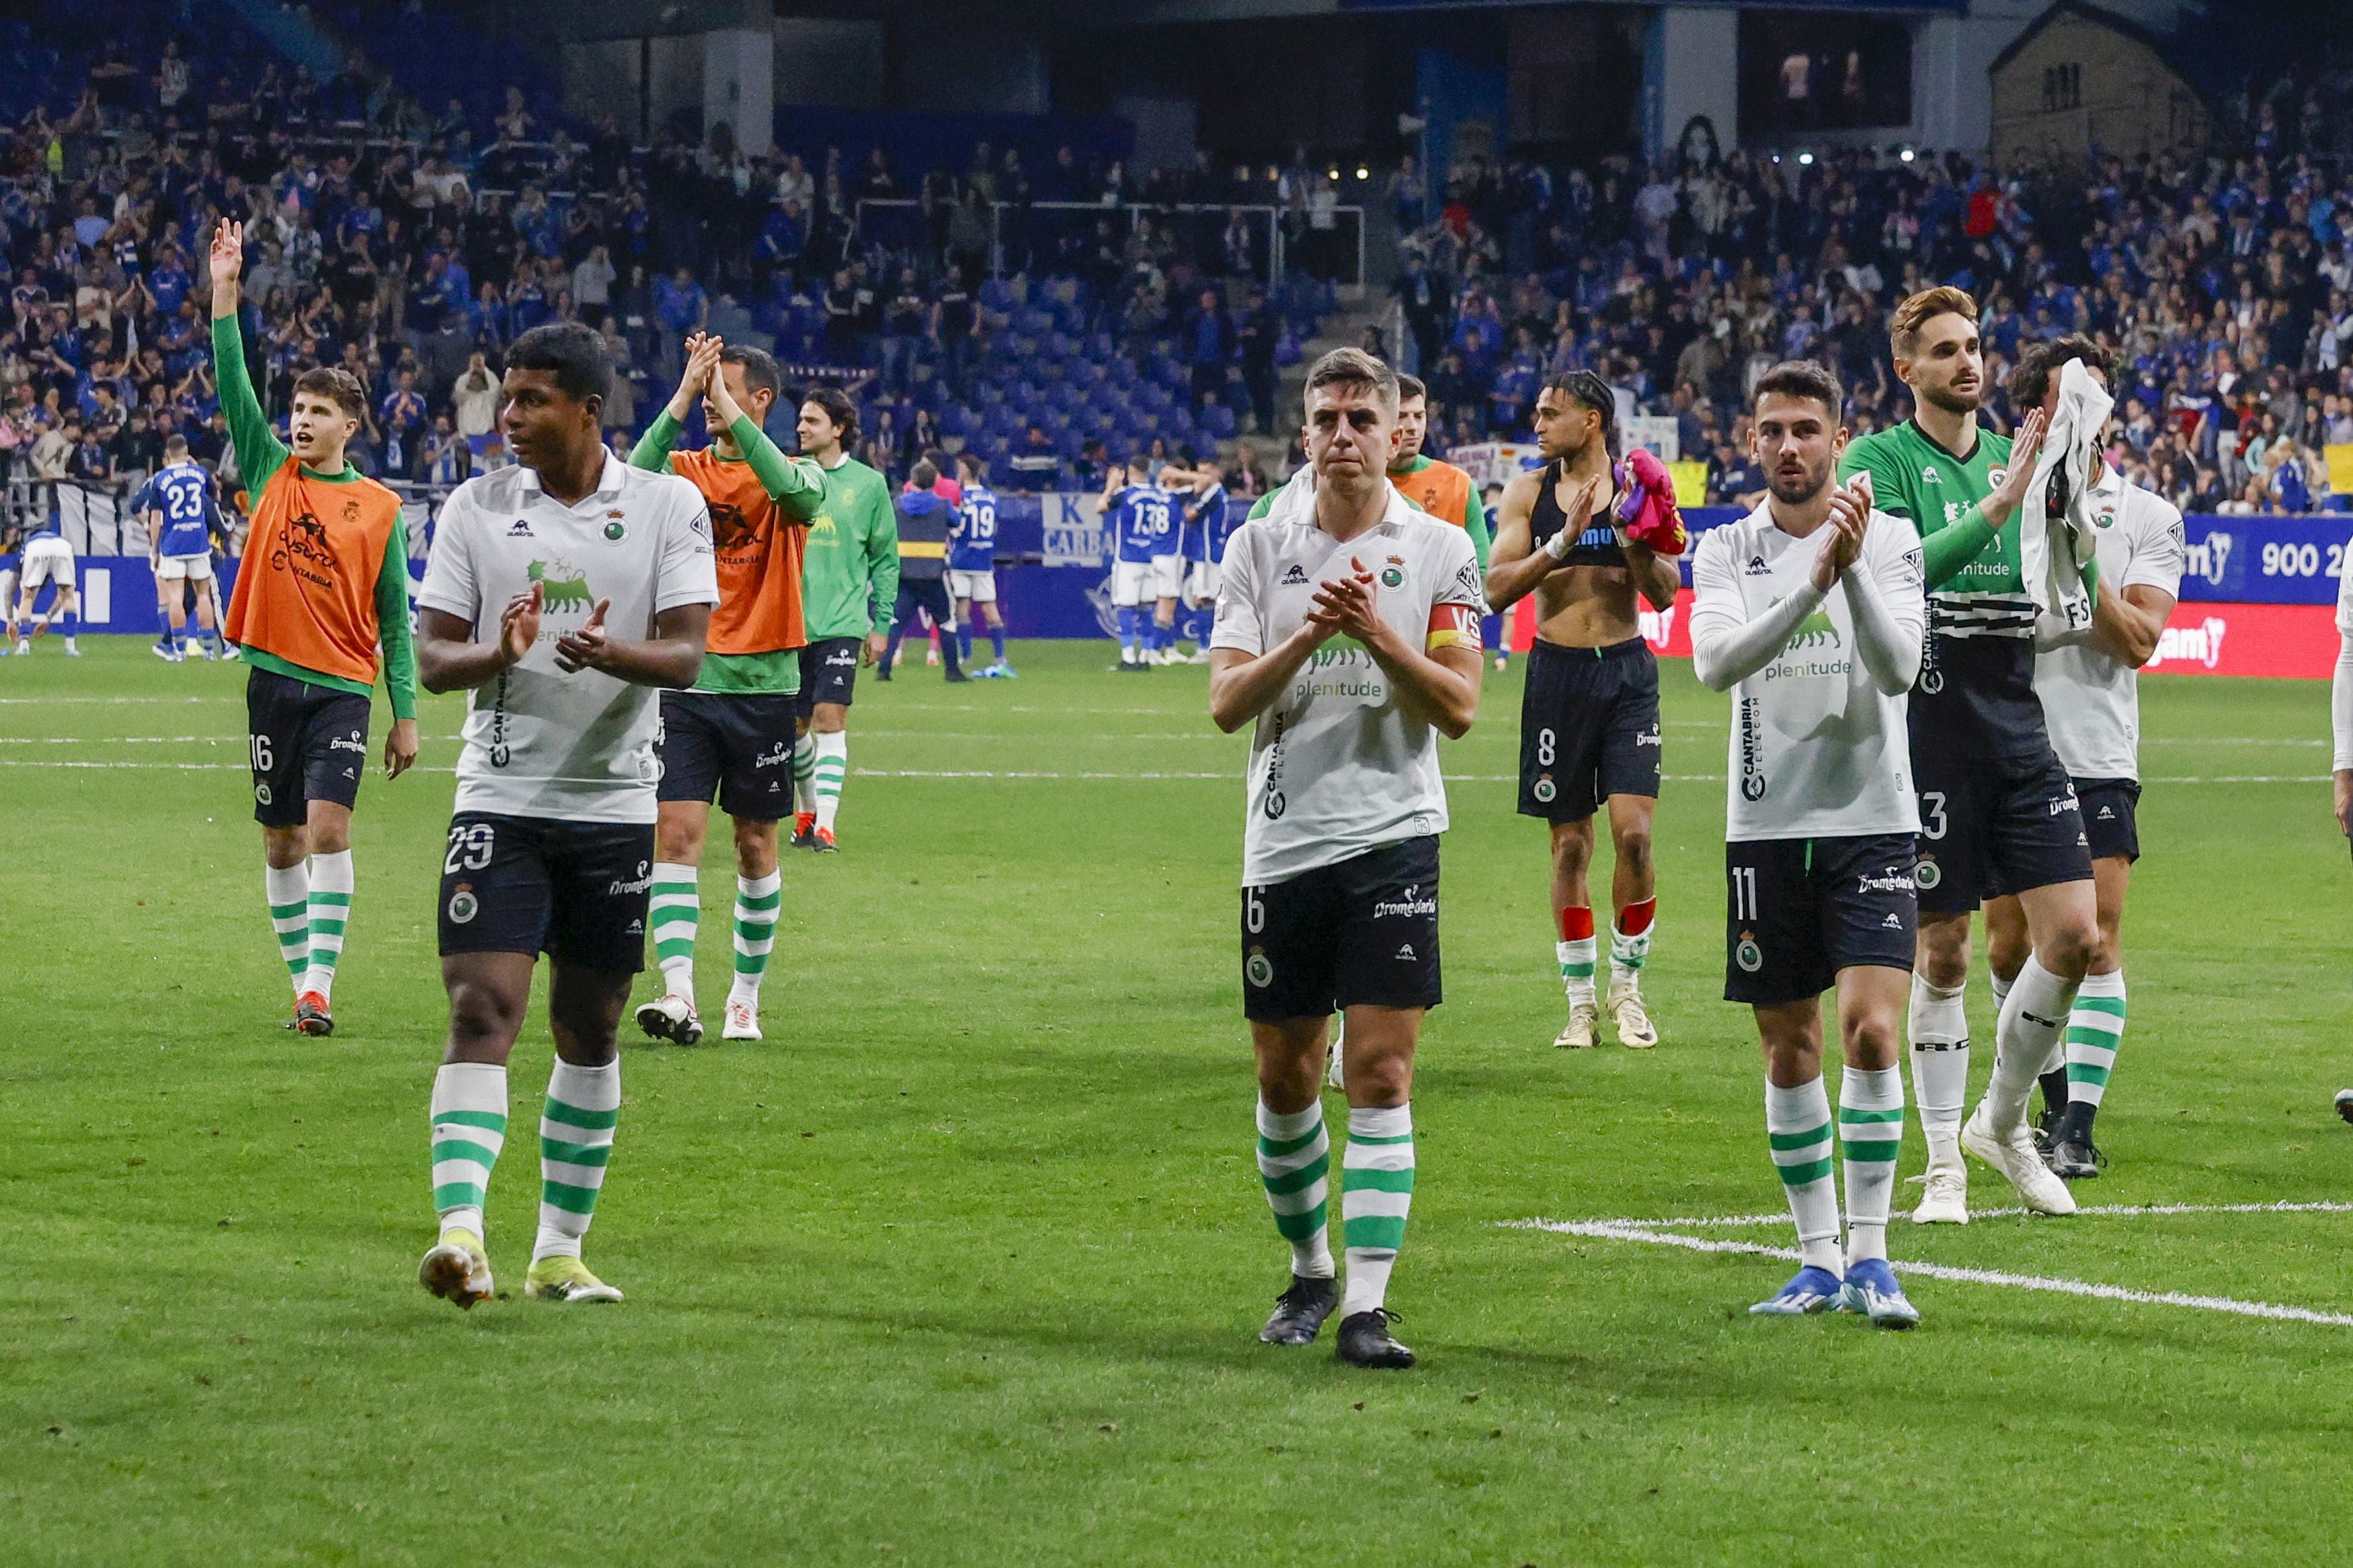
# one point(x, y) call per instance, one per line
point(1587, 387)
point(1354, 368)
point(340, 388)
point(572, 351)
point(922, 476)
point(838, 406)
point(760, 372)
point(1411, 386)
point(1802, 378)
point(2030, 383)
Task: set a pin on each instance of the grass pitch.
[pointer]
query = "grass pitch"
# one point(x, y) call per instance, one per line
point(965, 1263)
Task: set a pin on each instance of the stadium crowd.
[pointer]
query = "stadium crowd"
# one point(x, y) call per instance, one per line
point(410, 247)
point(2223, 283)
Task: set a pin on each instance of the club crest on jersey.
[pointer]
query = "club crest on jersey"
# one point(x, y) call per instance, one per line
point(463, 905)
point(1391, 577)
point(1926, 874)
point(1545, 789)
point(1259, 969)
point(614, 529)
point(1747, 954)
point(1994, 475)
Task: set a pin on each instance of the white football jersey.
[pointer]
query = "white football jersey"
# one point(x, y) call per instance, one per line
point(539, 742)
point(1817, 750)
point(2091, 699)
point(1337, 766)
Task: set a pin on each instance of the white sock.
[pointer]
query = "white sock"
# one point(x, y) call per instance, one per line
point(832, 767)
point(758, 901)
point(673, 910)
point(575, 1140)
point(805, 774)
point(470, 1128)
point(1797, 1130)
point(289, 892)
point(1375, 1195)
point(2033, 1021)
point(1939, 1025)
point(1870, 1132)
point(1294, 1163)
point(1575, 960)
point(2001, 992)
point(330, 910)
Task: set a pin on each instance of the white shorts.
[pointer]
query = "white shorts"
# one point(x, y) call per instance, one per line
point(1131, 583)
point(980, 587)
point(47, 560)
point(1201, 580)
point(1167, 576)
point(189, 568)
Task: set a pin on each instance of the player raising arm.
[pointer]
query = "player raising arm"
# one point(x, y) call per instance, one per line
point(1809, 611)
point(733, 732)
point(323, 582)
point(561, 591)
point(2089, 681)
point(1998, 813)
point(1349, 633)
point(1590, 716)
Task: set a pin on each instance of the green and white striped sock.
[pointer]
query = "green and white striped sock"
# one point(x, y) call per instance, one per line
point(330, 910)
point(758, 901)
point(1870, 1131)
point(288, 889)
point(832, 766)
point(2096, 1027)
point(1294, 1161)
point(804, 774)
point(575, 1140)
point(1375, 1194)
point(1798, 1128)
point(1576, 960)
point(470, 1128)
point(673, 910)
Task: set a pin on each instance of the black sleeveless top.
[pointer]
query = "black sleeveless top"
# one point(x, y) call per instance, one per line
point(1596, 546)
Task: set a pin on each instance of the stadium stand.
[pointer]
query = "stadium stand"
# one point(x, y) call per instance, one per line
point(1046, 306)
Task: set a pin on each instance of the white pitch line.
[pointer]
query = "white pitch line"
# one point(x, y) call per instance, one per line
point(2111, 1211)
point(1612, 1231)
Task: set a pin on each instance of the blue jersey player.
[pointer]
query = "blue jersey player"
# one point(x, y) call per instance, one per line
point(972, 564)
point(182, 517)
point(1143, 527)
point(1204, 528)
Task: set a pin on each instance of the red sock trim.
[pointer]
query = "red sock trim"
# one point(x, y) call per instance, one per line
point(1576, 922)
point(1635, 919)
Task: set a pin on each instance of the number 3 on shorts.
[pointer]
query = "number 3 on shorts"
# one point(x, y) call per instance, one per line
point(1932, 814)
point(469, 848)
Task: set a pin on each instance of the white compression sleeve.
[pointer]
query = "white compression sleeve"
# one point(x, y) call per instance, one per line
point(1726, 651)
point(1889, 647)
